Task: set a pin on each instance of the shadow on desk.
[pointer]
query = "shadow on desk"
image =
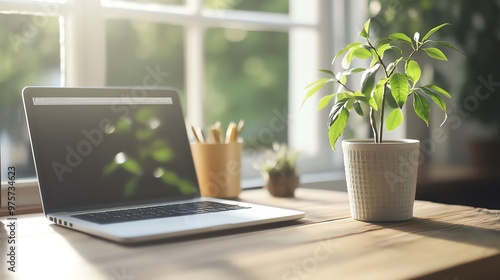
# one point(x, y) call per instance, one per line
point(484, 237)
point(487, 238)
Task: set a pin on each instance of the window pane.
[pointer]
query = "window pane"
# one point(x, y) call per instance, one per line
point(30, 55)
point(144, 54)
point(247, 78)
point(275, 6)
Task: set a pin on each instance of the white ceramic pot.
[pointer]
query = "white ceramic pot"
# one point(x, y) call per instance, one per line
point(381, 178)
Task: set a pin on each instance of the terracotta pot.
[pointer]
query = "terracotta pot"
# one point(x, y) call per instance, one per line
point(282, 185)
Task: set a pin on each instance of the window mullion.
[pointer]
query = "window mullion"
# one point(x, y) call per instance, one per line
point(307, 52)
point(195, 65)
point(195, 78)
point(83, 45)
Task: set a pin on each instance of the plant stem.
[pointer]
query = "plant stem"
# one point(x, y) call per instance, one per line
point(373, 124)
point(342, 84)
point(378, 135)
point(382, 110)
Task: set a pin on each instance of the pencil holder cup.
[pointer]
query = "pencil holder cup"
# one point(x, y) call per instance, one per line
point(218, 167)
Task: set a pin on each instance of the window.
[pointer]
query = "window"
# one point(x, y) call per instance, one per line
point(231, 59)
point(30, 55)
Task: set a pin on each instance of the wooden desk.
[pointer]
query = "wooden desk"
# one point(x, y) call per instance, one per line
point(441, 242)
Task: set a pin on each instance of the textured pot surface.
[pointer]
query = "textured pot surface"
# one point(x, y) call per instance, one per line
point(381, 178)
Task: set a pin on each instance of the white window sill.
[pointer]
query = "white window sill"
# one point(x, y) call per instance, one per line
point(26, 197)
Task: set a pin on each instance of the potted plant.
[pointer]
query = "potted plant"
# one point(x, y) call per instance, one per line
point(381, 174)
point(279, 170)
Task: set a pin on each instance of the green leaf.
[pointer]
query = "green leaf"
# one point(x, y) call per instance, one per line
point(421, 107)
point(378, 94)
point(397, 49)
point(144, 134)
point(413, 70)
point(110, 168)
point(359, 51)
point(352, 71)
point(322, 80)
point(341, 96)
point(435, 53)
point(315, 87)
point(356, 95)
point(401, 37)
point(346, 60)
point(366, 29)
point(390, 67)
point(383, 48)
point(170, 177)
point(327, 72)
point(341, 77)
point(433, 30)
point(336, 108)
point(346, 48)
point(132, 166)
point(144, 116)
point(362, 53)
point(358, 108)
point(163, 155)
point(383, 41)
point(438, 89)
point(448, 45)
point(399, 88)
point(374, 61)
point(349, 105)
point(122, 126)
point(187, 187)
point(394, 119)
point(337, 127)
point(390, 99)
point(368, 80)
point(438, 100)
point(373, 103)
point(325, 100)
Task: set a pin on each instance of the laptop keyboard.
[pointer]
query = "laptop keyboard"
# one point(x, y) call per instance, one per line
point(153, 212)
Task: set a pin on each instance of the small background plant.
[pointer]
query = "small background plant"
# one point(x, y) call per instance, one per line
point(281, 160)
point(384, 85)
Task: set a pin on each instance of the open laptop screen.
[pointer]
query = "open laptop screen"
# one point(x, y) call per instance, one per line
point(105, 147)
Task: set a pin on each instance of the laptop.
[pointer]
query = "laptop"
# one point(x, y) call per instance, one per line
point(116, 163)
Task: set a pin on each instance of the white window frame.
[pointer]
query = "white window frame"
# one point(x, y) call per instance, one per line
point(317, 28)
